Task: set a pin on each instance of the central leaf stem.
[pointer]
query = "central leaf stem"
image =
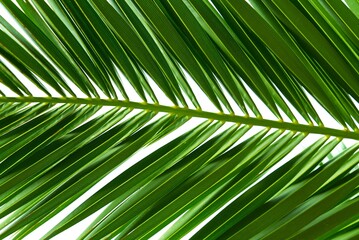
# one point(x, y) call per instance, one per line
point(193, 113)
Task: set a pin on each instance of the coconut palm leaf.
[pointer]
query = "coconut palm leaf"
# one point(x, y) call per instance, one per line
point(179, 119)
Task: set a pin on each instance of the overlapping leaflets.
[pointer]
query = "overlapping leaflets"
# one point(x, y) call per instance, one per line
point(69, 119)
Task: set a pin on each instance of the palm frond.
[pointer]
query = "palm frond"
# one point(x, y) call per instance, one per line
point(87, 85)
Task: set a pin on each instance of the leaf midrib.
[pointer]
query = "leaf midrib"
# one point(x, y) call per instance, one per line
point(183, 111)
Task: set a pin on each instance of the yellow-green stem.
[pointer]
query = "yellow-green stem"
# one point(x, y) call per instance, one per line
point(193, 113)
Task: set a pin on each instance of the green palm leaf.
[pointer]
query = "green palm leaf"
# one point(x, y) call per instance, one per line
point(173, 119)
